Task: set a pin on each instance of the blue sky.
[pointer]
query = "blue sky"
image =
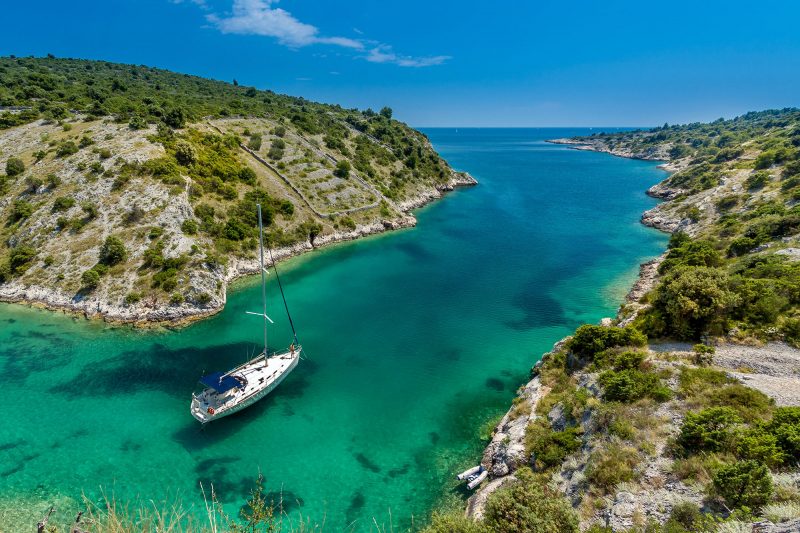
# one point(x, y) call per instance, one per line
point(448, 62)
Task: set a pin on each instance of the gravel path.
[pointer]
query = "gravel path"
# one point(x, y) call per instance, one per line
point(774, 368)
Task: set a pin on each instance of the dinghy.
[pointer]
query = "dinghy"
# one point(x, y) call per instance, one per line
point(225, 393)
point(473, 476)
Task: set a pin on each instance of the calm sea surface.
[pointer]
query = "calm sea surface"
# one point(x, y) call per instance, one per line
point(414, 340)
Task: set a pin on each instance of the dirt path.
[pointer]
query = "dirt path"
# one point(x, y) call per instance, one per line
point(774, 368)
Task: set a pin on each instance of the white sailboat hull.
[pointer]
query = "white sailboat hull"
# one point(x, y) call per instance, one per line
point(259, 376)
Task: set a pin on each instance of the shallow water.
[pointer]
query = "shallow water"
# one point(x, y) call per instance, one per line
point(414, 340)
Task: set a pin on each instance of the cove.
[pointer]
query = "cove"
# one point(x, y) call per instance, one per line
point(414, 340)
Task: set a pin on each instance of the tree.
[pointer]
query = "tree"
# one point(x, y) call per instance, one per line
point(113, 251)
point(342, 169)
point(90, 279)
point(745, 483)
point(386, 112)
point(20, 258)
point(20, 210)
point(14, 167)
point(695, 300)
point(175, 118)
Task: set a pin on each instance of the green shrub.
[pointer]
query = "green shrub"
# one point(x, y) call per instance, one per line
point(248, 175)
point(66, 148)
point(785, 425)
point(255, 142)
point(90, 279)
point(791, 331)
point(189, 227)
point(630, 385)
point(20, 258)
point(741, 246)
point(686, 252)
point(113, 251)
point(610, 466)
point(347, 222)
point(342, 169)
point(743, 484)
point(759, 445)
point(20, 210)
point(750, 404)
point(529, 506)
point(203, 298)
point(757, 180)
point(176, 299)
point(454, 522)
point(62, 203)
point(185, 153)
point(711, 430)
point(132, 298)
point(137, 123)
point(14, 167)
point(589, 340)
point(687, 516)
point(547, 447)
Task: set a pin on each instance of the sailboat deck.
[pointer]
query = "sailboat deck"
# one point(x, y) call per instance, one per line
point(256, 377)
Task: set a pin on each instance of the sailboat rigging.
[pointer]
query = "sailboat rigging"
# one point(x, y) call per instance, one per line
point(226, 393)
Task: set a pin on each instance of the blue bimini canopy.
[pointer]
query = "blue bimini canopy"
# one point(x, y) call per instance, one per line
point(220, 382)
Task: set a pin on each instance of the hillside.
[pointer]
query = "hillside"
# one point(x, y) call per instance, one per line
point(683, 413)
point(129, 192)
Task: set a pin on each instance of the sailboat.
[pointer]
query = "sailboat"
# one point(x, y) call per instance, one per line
point(225, 393)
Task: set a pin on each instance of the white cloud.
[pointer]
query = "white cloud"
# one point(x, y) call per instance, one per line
point(384, 54)
point(260, 17)
point(263, 17)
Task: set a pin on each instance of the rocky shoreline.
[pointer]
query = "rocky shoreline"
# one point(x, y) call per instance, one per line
point(147, 315)
point(506, 450)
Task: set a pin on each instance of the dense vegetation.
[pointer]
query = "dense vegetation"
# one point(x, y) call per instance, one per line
point(173, 166)
point(738, 193)
point(54, 89)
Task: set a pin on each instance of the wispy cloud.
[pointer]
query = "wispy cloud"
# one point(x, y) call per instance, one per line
point(384, 54)
point(263, 17)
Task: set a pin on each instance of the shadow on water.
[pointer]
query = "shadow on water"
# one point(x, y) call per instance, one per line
point(157, 368)
point(215, 472)
point(539, 309)
point(34, 351)
point(414, 250)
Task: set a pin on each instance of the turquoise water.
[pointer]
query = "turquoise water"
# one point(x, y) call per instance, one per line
point(414, 340)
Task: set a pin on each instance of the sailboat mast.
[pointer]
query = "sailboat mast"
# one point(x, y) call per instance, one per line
point(263, 276)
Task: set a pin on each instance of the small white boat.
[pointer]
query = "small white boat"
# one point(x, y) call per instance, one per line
point(476, 479)
point(226, 393)
point(473, 476)
point(468, 472)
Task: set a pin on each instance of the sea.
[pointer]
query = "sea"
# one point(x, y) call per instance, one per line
point(415, 343)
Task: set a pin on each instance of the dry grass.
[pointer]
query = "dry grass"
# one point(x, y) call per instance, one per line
point(781, 512)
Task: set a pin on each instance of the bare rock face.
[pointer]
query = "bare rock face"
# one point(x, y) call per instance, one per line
point(506, 452)
point(656, 218)
point(664, 192)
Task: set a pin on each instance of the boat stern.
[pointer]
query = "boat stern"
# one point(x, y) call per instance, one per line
point(200, 410)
